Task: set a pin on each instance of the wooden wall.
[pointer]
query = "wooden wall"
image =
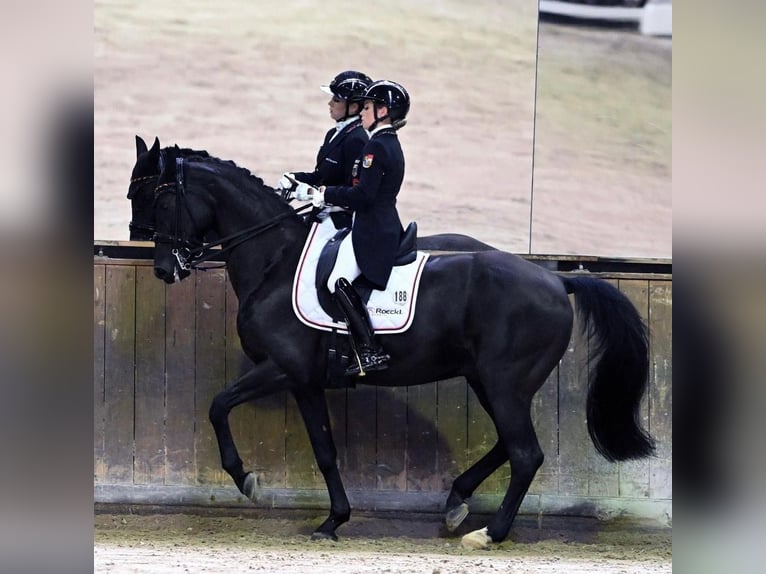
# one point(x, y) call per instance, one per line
point(162, 352)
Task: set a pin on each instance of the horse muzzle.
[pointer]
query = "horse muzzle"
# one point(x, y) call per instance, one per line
point(170, 274)
point(167, 275)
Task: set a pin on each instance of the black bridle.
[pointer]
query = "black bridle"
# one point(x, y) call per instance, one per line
point(189, 254)
point(141, 182)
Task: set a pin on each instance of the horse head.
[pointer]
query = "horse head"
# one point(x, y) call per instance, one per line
point(143, 181)
point(180, 217)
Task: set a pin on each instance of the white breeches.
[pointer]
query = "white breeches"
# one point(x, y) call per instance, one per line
point(345, 265)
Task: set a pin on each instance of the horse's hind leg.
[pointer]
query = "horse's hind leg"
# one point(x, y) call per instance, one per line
point(526, 457)
point(513, 422)
point(465, 484)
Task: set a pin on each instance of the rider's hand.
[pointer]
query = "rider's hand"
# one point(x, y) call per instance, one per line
point(285, 183)
point(304, 192)
point(317, 200)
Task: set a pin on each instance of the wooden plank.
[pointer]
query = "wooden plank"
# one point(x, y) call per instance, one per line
point(336, 405)
point(119, 357)
point(634, 475)
point(452, 426)
point(179, 383)
point(574, 443)
point(361, 458)
point(391, 468)
point(210, 371)
point(149, 465)
point(482, 436)
point(660, 393)
point(546, 421)
point(99, 406)
point(422, 437)
point(123, 451)
point(301, 468)
point(269, 436)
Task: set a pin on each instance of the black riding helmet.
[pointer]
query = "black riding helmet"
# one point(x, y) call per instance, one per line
point(348, 86)
point(393, 96)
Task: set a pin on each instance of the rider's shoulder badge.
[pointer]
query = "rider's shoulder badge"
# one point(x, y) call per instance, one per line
point(367, 161)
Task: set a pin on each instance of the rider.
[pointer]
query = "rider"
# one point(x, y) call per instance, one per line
point(376, 229)
point(337, 159)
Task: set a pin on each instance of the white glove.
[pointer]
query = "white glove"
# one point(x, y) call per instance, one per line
point(317, 200)
point(285, 184)
point(304, 192)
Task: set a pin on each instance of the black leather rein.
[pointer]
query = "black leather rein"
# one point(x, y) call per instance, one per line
point(191, 254)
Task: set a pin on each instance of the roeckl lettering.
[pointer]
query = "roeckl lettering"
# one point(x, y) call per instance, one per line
point(379, 311)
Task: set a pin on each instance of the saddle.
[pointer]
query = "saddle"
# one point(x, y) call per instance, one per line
point(405, 254)
point(391, 310)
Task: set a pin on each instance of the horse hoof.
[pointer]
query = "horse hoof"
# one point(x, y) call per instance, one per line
point(250, 486)
point(324, 536)
point(456, 516)
point(476, 539)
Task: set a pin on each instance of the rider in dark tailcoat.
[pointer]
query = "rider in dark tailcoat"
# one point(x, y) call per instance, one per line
point(342, 145)
point(376, 229)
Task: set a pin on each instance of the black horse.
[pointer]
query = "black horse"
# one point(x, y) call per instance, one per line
point(146, 171)
point(494, 318)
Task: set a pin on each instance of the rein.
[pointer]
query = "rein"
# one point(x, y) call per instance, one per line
point(188, 255)
point(240, 237)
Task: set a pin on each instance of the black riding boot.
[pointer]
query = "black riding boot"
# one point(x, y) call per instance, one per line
point(370, 355)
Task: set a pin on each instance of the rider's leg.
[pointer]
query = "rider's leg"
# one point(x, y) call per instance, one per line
point(345, 264)
point(371, 356)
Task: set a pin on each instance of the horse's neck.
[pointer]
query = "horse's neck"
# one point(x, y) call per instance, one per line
point(267, 260)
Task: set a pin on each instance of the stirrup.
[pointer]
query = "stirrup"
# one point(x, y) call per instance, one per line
point(369, 361)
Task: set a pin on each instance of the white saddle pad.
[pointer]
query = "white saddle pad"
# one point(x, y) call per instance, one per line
point(391, 311)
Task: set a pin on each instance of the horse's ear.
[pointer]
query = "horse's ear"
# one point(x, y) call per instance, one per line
point(172, 154)
point(154, 153)
point(140, 146)
point(168, 172)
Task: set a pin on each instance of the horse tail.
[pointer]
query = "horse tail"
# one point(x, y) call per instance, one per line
point(619, 357)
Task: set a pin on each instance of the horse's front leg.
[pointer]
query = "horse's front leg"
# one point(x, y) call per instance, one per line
point(262, 380)
point(313, 408)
